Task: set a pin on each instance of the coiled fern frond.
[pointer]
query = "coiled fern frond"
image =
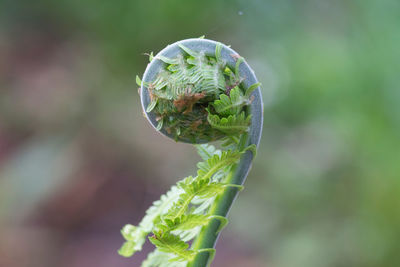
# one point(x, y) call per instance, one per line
point(197, 97)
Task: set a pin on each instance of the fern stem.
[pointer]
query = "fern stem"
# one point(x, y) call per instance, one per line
point(209, 235)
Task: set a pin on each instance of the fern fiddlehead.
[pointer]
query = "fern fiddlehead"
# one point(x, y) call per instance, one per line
point(197, 91)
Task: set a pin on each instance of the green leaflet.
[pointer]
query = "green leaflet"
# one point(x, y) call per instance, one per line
point(152, 105)
point(206, 151)
point(169, 243)
point(151, 56)
point(188, 222)
point(233, 124)
point(138, 81)
point(136, 236)
point(128, 249)
point(232, 104)
point(251, 89)
point(196, 72)
point(189, 51)
point(160, 124)
point(158, 258)
point(239, 61)
point(167, 60)
point(216, 162)
point(201, 186)
point(218, 50)
point(173, 245)
point(181, 205)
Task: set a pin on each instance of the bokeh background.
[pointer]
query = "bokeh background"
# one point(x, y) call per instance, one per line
point(78, 160)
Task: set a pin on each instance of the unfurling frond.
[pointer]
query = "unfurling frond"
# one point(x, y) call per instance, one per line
point(196, 96)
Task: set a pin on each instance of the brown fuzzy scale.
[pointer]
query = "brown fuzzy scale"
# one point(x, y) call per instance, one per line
point(186, 102)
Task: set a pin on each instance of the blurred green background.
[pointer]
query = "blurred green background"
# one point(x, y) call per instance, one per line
point(78, 160)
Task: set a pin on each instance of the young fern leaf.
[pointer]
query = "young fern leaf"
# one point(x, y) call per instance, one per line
point(213, 164)
point(206, 151)
point(218, 49)
point(166, 242)
point(230, 141)
point(215, 189)
point(207, 76)
point(232, 104)
point(171, 61)
point(171, 244)
point(152, 105)
point(180, 206)
point(158, 258)
point(252, 148)
point(201, 186)
point(188, 222)
point(233, 124)
point(136, 236)
point(239, 61)
point(138, 81)
point(160, 124)
point(251, 89)
point(189, 51)
point(151, 56)
point(203, 204)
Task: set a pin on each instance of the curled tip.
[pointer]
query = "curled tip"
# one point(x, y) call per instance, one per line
point(190, 101)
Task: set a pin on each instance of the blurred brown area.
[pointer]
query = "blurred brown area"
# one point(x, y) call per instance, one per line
point(78, 160)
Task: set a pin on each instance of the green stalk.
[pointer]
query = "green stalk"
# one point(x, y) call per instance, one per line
point(209, 235)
